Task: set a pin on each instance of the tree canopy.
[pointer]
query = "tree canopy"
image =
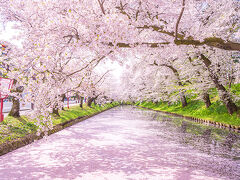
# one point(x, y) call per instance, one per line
point(182, 44)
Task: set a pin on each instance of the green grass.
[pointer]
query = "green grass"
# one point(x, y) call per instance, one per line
point(75, 112)
point(216, 112)
point(14, 128)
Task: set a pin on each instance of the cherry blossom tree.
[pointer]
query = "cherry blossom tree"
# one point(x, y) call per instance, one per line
point(63, 41)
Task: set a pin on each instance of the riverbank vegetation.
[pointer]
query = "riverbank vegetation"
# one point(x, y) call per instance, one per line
point(13, 128)
point(216, 112)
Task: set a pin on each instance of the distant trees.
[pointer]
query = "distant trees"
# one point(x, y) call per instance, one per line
point(195, 76)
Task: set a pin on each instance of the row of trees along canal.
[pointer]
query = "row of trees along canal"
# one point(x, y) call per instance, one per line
point(173, 47)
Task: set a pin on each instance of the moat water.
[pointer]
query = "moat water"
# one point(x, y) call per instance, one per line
point(129, 143)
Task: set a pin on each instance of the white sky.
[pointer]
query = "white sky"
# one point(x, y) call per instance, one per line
point(115, 70)
point(7, 33)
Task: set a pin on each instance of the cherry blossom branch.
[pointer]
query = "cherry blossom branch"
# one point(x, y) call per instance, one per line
point(76, 35)
point(121, 9)
point(179, 19)
point(102, 77)
point(101, 2)
point(83, 67)
point(173, 70)
point(78, 86)
point(128, 45)
point(98, 60)
point(160, 30)
point(210, 41)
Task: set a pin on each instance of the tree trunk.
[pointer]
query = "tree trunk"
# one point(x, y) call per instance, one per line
point(231, 79)
point(223, 93)
point(63, 97)
point(225, 97)
point(183, 99)
point(32, 106)
point(81, 101)
point(55, 111)
point(15, 108)
point(206, 99)
point(89, 101)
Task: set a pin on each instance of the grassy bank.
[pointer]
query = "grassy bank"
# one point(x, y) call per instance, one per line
point(14, 128)
point(216, 112)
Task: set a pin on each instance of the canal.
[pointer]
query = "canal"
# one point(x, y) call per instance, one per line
point(129, 143)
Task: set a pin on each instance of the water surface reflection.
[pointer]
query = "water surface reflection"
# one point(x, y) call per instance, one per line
point(208, 139)
point(128, 143)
